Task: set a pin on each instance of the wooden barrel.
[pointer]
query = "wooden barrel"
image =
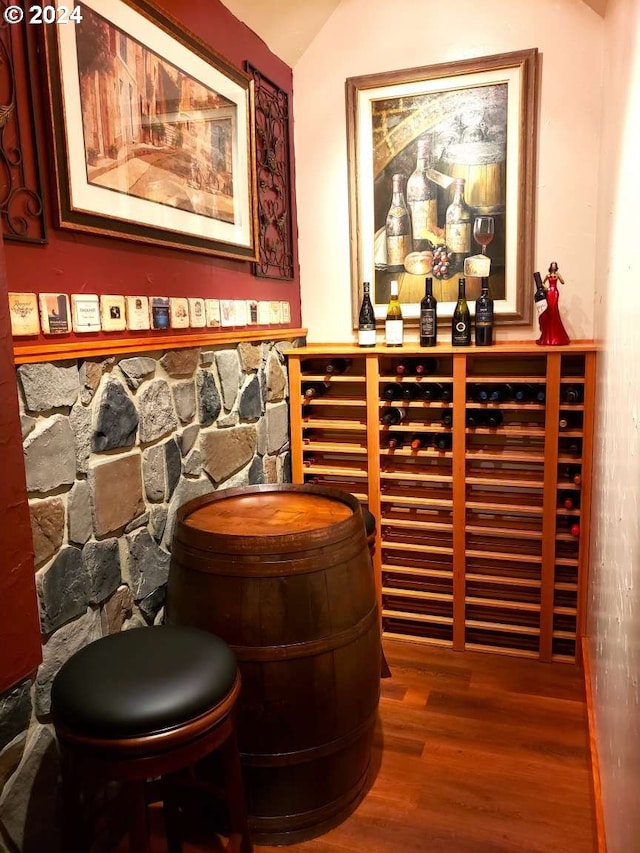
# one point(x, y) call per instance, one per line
point(282, 573)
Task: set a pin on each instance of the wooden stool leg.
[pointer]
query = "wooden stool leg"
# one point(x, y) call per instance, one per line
point(138, 826)
point(239, 840)
point(171, 812)
point(74, 831)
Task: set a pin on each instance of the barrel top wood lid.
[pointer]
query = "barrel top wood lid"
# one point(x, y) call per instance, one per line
point(268, 514)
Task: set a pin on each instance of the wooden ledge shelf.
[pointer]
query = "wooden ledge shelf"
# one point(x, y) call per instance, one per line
point(78, 348)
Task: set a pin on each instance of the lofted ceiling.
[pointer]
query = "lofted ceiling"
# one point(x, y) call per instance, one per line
point(289, 26)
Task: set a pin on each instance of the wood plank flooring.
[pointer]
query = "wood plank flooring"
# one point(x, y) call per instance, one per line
point(475, 753)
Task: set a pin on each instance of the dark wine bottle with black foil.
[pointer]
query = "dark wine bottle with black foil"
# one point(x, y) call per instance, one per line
point(572, 394)
point(484, 317)
point(393, 416)
point(392, 391)
point(447, 418)
point(443, 441)
point(461, 322)
point(336, 366)
point(428, 316)
point(366, 319)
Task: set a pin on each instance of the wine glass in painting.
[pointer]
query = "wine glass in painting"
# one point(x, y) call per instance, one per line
point(483, 231)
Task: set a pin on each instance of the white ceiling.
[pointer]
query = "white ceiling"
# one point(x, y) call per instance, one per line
point(289, 26)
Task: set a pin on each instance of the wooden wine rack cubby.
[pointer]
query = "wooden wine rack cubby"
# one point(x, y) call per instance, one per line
point(475, 549)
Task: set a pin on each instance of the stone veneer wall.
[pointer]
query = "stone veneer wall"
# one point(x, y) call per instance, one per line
point(113, 446)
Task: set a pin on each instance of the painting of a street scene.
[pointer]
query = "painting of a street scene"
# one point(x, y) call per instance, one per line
point(150, 130)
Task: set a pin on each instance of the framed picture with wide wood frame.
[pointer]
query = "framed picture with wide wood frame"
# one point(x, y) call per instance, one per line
point(153, 132)
point(417, 136)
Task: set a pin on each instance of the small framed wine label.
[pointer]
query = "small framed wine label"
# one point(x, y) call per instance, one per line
point(55, 313)
point(85, 309)
point(264, 313)
point(159, 312)
point(213, 313)
point(252, 312)
point(285, 312)
point(179, 312)
point(23, 310)
point(137, 313)
point(113, 313)
point(197, 313)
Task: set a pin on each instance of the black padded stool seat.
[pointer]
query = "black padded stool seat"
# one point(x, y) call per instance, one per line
point(147, 704)
point(142, 681)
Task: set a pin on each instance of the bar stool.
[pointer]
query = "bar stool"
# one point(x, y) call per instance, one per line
point(147, 704)
point(370, 529)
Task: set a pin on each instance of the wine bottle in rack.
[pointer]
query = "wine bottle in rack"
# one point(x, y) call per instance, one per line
point(569, 421)
point(393, 441)
point(314, 389)
point(393, 416)
point(443, 441)
point(497, 394)
point(475, 418)
point(419, 440)
point(539, 393)
point(484, 317)
point(494, 418)
point(447, 418)
point(461, 321)
point(398, 227)
point(366, 319)
point(522, 393)
point(433, 391)
point(416, 367)
point(336, 366)
point(428, 316)
point(573, 448)
point(394, 324)
point(572, 474)
point(480, 393)
point(411, 391)
point(392, 391)
point(572, 394)
point(573, 524)
point(447, 393)
point(569, 500)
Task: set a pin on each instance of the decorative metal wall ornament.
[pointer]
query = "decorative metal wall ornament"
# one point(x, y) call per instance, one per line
point(274, 178)
point(21, 207)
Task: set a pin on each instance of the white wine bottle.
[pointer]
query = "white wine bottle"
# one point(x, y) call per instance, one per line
point(394, 324)
point(366, 319)
point(461, 321)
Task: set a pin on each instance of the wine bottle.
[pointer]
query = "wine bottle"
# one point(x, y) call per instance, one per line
point(494, 419)
point(540, 296)
point(393, 325)
point(394, 440)
point(447, 418)
point(422, 201)
point(522, 393)
point(397, 227)
point(458, 225)
point(393, 416)
point(572, 394)
point(573, 448)
point(416, 367)
point(484, 316)
point(540, 393)
point(496, 394)
point(569, 421)
point(392, 391)
point(461, 322)
point(569, 500)
point(447, 393)
point(443, 441)
point(571, 473)
point(418, 440)
point(474, 419)
point(336, 365)
point(480, 393)
point(314, 389)
point(366, 319)
point(428, 316)
point(410, 392)
point(432, 391)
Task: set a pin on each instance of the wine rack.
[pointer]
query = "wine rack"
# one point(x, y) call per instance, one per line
point(482, 541)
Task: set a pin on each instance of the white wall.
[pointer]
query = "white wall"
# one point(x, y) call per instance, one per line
point(368, 36)
point(614, 644)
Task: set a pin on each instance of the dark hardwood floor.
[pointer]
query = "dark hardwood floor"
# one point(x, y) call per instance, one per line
point(474, 753)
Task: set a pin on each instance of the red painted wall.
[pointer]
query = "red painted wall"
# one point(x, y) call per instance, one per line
point(73, 262)
point(20, 648)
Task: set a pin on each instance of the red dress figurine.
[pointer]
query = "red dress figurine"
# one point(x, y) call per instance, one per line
point(553, 332)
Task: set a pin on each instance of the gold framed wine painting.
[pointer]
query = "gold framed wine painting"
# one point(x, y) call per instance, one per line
point(441, 170)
